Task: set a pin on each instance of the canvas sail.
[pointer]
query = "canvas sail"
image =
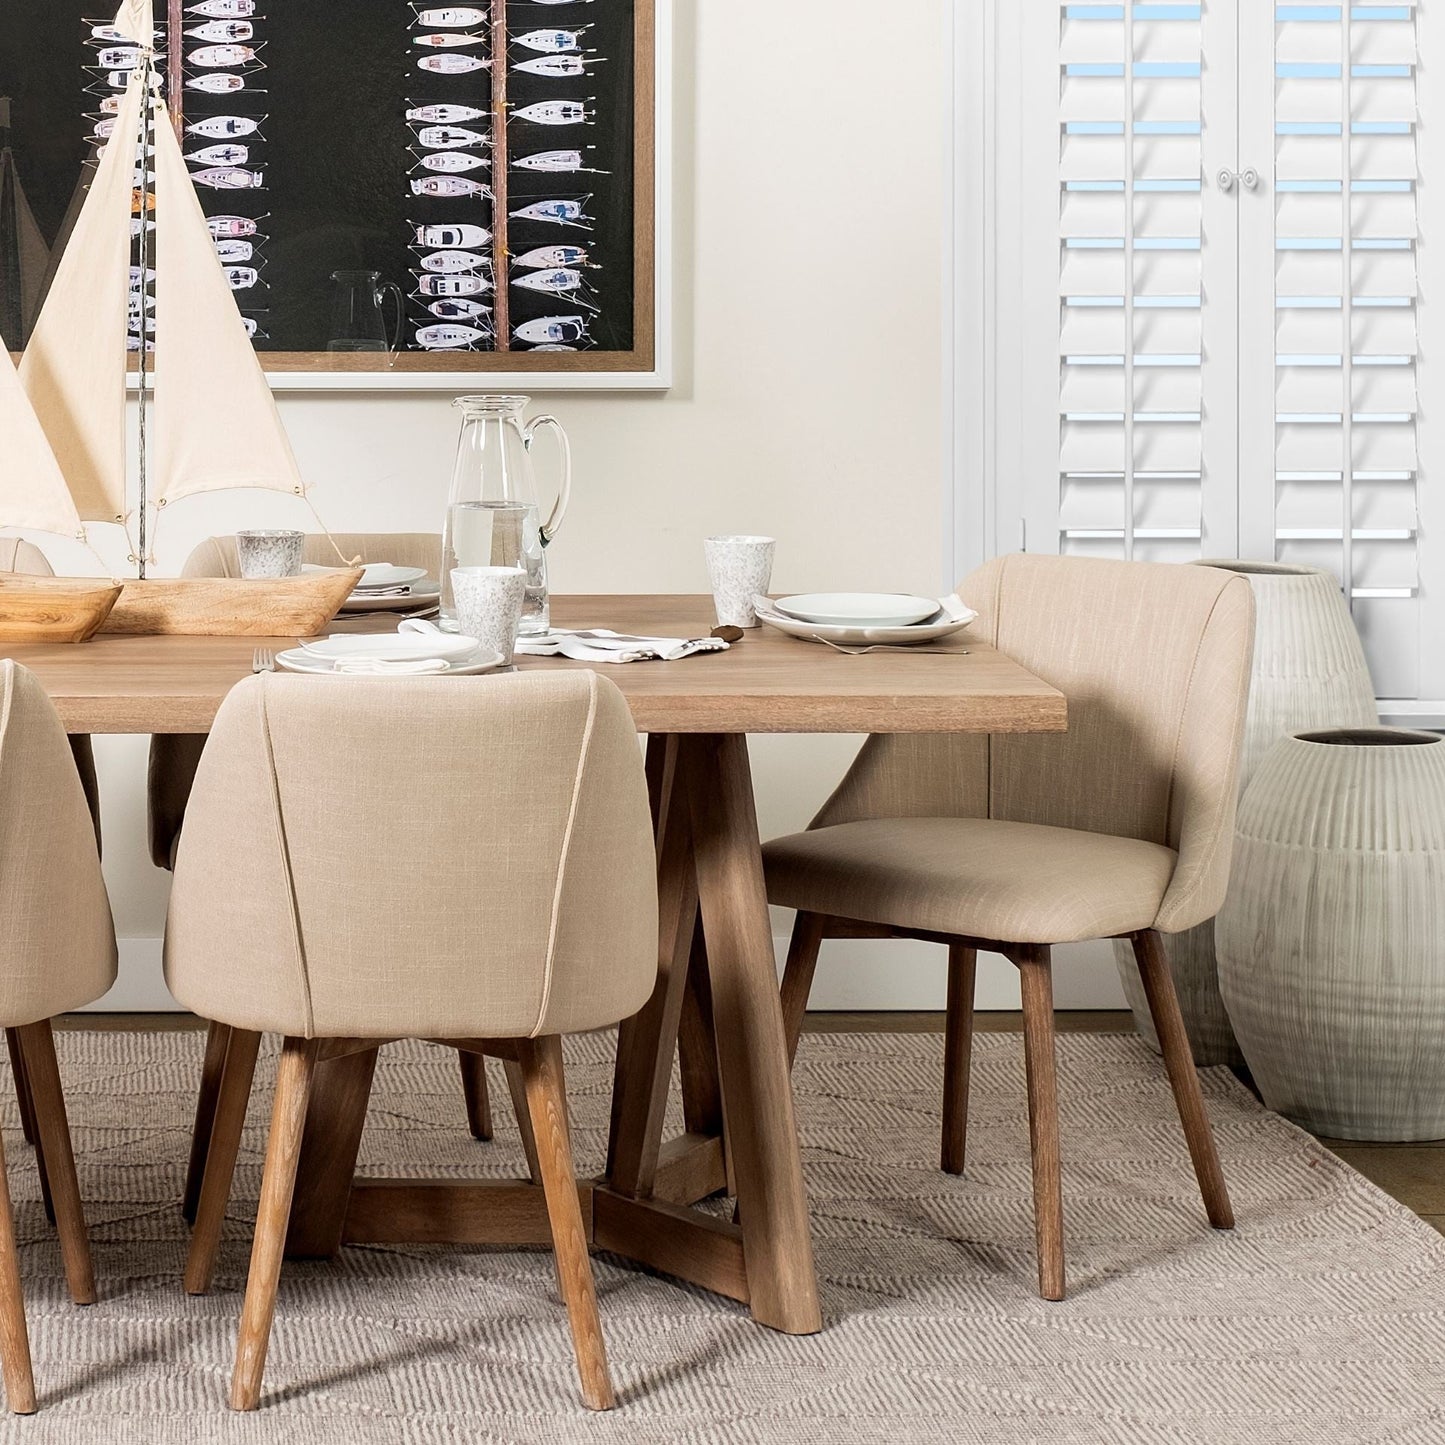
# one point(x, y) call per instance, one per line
point(136, 21)
point(32, 490)
point(74, 366)
point(216, 422)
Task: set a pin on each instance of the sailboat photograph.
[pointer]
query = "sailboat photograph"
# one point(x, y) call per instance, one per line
point(207, 418)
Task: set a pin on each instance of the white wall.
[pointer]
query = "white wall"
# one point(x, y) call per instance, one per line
point(811, 198)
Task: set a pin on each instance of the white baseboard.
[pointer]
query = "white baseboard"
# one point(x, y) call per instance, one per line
point(853, 973)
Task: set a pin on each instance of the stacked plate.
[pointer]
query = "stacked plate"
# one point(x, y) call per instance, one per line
point(863, 618)
point(409, 654)
point(387, 588)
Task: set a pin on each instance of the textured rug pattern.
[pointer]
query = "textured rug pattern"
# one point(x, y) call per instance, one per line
point(1321, 1319)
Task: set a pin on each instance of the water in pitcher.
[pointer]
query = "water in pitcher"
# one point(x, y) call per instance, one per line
point(496, 534)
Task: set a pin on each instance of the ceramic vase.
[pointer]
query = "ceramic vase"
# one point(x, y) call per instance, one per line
point(1332, 942)
point(1309, 672)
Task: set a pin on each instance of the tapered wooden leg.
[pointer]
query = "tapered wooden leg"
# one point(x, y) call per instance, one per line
point(752, 1050)
point(14, 1338)
point(228, 1119)
point(474, 1092)
point(1036, 981)
point(517, 1087)
point(217, 1037)
point(1179, 1062)
point(957, 1056)
point(27, 1118)
point(283, 1152)
point(37, 1046)
point(798, 975)
point(541, 1065)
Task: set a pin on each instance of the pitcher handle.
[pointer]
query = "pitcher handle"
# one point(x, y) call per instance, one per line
point(395, 292)
point(564, 492)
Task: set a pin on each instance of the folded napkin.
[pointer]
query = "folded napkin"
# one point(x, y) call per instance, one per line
point(598, 644)
point(360, 665)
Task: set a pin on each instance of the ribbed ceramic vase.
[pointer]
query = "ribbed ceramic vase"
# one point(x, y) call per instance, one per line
point(1332, 942)
point(1309, 672)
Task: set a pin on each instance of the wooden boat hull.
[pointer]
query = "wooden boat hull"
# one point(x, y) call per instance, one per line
point(53, 609)
point(233, 606)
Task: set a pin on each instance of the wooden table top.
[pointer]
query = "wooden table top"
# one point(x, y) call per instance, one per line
point(768, 683)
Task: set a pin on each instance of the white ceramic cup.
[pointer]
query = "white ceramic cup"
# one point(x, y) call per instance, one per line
point(269, 553)
point(739, 568)
point(489, 605)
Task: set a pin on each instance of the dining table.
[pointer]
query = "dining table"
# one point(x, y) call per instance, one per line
point(714, 1013)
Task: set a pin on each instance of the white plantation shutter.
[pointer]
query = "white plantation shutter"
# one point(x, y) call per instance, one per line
point(1346, 296)
point(1129, 334)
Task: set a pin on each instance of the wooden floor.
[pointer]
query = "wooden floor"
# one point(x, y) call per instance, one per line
point(1412, 1173)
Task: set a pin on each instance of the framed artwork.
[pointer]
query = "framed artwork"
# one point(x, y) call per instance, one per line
point(403, 194)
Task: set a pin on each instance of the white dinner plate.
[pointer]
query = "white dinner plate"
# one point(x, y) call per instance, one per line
point(419, 594)
point(394, 646)
point(859, 609)
point(378, 574)
point(296, 659)
point(953, 616)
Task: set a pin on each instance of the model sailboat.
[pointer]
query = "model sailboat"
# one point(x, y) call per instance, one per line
point(211, 423)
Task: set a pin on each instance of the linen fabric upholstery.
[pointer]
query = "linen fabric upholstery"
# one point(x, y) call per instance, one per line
point(1154, 660)
point(18, 555)
point(433, 857)
point(59, 936)
point(174, 756)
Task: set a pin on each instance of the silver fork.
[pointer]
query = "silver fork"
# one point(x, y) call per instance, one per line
point(263, 660)
point(888, 647)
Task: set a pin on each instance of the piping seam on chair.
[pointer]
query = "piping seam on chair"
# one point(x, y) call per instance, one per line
point(1179, 741)
point(284, 848)
point(565, 850)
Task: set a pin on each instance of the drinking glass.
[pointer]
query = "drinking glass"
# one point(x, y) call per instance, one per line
point(489, 605)
point(739, 568)
point(269, 553)
point(494, 534)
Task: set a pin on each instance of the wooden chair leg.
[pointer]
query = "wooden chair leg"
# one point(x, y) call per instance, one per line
point(474, 1092)
point(541, 1065)
point(1036, 981)
point(803, 949)
point(517, 1087)
point(228, 1119)
point(957, 1056)
point(283, 1152)
point(1179, 1062)
point(14, 1337)
point(27, 1117)
point(37, 1047)
point(217, 1037)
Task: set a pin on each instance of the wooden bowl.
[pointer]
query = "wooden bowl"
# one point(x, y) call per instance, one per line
point(233, 606)
point(53, 609)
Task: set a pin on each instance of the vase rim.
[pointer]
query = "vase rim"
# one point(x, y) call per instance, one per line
point(1248, 567)
point(1377, 737)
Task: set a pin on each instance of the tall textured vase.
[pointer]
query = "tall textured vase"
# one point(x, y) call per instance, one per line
point(1309, 672)
point(1332, 942)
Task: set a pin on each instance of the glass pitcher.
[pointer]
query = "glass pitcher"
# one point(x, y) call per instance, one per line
point(492, 514)
point(356, 320)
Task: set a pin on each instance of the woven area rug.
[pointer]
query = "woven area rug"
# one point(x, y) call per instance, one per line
point(1321, 1319)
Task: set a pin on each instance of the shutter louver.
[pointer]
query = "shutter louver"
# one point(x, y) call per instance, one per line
point(1346, 333)
point(1130, 284)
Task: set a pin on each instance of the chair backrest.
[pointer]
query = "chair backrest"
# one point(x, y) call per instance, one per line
point(18, 555)
point(59, 936)
point(216, 556)
point(422, 857)
point(1154, 660)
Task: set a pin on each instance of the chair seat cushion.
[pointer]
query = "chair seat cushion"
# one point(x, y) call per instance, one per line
point(1014, 882)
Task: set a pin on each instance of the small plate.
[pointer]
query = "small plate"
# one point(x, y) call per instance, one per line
point(378, 574)
point(296, 659)
point(953, 616)
point(419, 594)
point(859, 609)
point(394, 646)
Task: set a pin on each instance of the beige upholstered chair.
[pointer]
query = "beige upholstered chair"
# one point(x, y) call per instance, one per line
point(60, 953)
point(1120, 827)
point(17, 555)
point(535, 917)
